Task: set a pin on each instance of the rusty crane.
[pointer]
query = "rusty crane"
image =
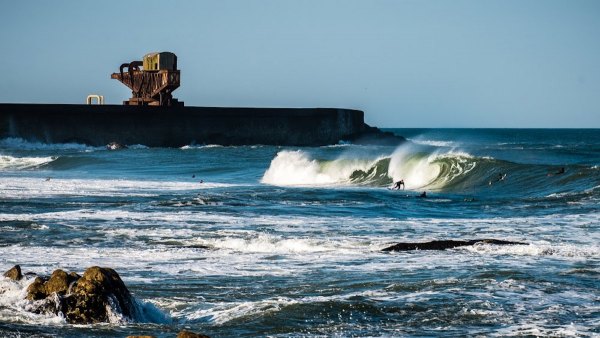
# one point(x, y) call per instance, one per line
point(152, 81)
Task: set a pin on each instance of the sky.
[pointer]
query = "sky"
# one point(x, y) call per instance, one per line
point(406, 63)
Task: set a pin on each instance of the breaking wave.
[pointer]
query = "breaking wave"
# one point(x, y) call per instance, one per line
point(417, 169)
point(423, 168)
point(20, 163)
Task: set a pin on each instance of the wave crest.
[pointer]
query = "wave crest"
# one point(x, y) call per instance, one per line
point(20, 163)
point(417, 169)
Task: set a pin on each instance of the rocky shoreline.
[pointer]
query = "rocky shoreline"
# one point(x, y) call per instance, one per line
point(96, 296)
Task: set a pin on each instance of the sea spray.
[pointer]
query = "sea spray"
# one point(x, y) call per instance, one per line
point(414, 167)
point(418, 169)
point(21, 163)
point(298, 168)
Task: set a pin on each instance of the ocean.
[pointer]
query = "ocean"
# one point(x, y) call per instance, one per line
point(286, 241)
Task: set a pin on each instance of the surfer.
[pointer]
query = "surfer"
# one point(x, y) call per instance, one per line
point(559, 172)
point(423, 195)
point(500, 177)
point(398, 184)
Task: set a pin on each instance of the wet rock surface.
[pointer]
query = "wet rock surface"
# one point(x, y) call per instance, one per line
point(98, 289)
point(14, 273)
point(446, 244)
point(92, 298)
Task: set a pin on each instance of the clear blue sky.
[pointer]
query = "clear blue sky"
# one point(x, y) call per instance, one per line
point(451, 63)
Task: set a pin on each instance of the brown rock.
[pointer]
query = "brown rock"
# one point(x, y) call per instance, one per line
point(36, 290)
point(83, 299)
point(188, 334)
point(14, 273)
point(93, 292)
point(59, 282)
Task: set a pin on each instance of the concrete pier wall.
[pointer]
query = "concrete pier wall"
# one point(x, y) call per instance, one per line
point(177, 126)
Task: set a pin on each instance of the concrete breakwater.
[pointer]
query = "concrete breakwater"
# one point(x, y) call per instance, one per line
point(99, 125)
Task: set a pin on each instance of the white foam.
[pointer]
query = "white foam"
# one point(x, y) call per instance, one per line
point(221, 313)
point(187, 147)
point(28, 187)
point(297, 168)
point(266, 243)
point(20, 163)
point(15, 307)
point(418, 170)
point(539, 328)
point(435, 143)
point(560, 250)
point(414, 169)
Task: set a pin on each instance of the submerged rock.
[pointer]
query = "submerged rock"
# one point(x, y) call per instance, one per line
point(445, 244)
point(14, 273)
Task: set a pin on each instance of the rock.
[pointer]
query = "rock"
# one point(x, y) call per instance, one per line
point(445, 244)
point(188, 334)
point(14, 273)
point(83, 299)
point(58, 283)
point(36, 290)
point(98, 289)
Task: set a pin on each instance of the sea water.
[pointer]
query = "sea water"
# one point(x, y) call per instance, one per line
point(286, 241)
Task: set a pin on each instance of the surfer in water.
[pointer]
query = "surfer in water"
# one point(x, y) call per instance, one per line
point(559, 172)
point(499, 178)
point(398, 185)
point(423, 195)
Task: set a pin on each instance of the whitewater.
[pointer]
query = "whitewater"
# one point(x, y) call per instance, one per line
point(286, 241)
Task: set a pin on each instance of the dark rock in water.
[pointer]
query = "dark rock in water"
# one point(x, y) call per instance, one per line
point(98, 289)
point(445, 244)
point(188, 334)
point(37, 289)
point(82, 299)
point(14, 273)
point(59, 283)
